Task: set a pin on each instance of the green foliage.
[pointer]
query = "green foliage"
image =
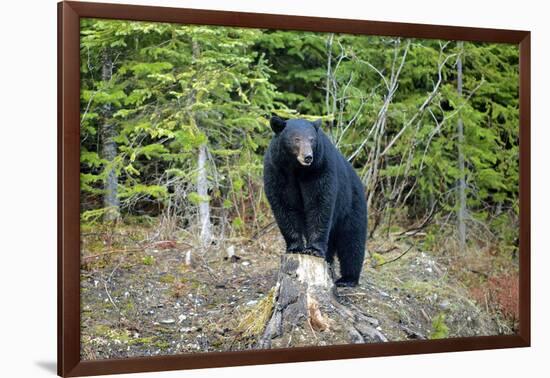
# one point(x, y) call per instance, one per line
point(196, 198)
point(439, 328)
point(377, 259)
point(92, 216)
point(174, 88)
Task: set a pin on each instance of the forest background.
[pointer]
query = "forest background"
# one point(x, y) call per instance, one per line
point(174, 124)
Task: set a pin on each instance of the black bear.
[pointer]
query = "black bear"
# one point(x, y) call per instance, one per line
point(316, 197)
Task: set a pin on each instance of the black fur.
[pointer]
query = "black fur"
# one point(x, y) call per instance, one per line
point(320, 208)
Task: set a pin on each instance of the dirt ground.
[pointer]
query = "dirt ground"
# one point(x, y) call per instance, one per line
point(141, 299)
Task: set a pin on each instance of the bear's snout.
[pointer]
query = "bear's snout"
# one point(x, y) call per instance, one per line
point(305, 156)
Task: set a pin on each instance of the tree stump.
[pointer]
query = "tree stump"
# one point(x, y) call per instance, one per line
point(307, 311)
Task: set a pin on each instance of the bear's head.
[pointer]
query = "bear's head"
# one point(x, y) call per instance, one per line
point(298, 138)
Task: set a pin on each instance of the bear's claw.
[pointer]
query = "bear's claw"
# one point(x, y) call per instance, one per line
point(306, 251)
point(312, 252)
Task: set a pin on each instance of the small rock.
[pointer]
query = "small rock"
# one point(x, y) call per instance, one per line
point(167, 321)
point(245, 263)
point(232, 259)
point(355, 337)
point(181, 318)
point(444, 305)
point(188, 329)
point(252, 302)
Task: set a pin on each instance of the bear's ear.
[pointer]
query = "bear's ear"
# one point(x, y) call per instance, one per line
point(277, 124)
point(317, 124)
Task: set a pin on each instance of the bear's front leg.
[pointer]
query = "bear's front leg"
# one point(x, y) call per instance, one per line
point(319, 201)
point(291, 225)
point(285, 201)
point(292, 228)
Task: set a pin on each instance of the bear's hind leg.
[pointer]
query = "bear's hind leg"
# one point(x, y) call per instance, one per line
point(351, 254)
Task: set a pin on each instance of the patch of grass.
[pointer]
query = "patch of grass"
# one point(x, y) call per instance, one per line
point(129, 307)
point(184, 268)
point(124, 336)
point(167, 278)
point(112, 333)
point(191, 283)
point(255, 319)
point(425, 288)
point(161, 344)
point(148, 260)
point(142, 341)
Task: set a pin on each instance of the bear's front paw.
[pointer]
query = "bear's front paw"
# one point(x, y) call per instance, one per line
point(313, 252)
point(295, 248)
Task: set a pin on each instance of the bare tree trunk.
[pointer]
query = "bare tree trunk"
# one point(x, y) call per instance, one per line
point(204, 205)
point(109, 148)
point(328, 83)
point(305, 302)
point(461, 211)
point(202, 175)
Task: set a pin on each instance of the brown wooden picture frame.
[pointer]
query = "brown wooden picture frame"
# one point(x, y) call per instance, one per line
point(69, 361)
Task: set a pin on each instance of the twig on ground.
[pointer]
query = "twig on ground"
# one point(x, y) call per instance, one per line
point(109, 296)
point(131, 250)
point(397, 258)
point(425, 222)
point(262, 232)
point(387, 250)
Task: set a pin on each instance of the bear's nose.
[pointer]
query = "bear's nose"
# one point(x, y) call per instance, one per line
point(308, 159)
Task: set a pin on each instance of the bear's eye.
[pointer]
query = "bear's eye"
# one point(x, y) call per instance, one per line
point(296, 139)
